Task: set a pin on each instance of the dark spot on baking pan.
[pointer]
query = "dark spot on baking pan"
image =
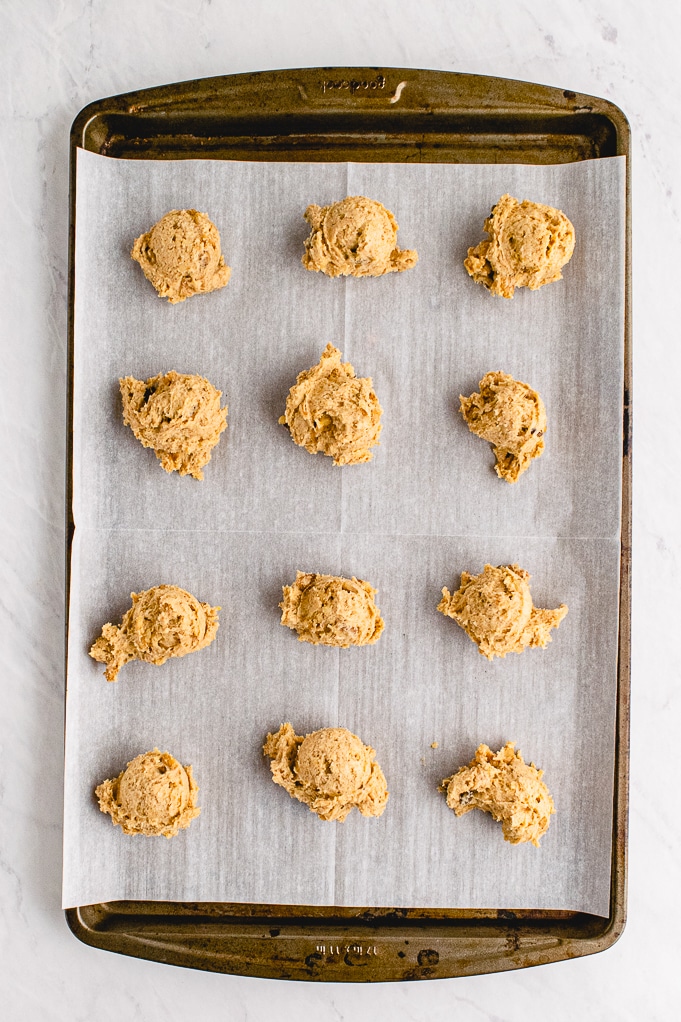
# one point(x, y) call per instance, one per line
point(314, 960)
point(428, 957)
point(275, 933)
point(355, 958)
point(393, 913)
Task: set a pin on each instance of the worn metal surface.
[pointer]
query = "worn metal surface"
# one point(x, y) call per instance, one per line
point(379, 115)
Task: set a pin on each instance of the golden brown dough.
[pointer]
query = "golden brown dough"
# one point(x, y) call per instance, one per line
point(503, 785)
point(330, 771)
point(155, 795)
point(355, 237)
point(331, 411)
point(181, 255)
point(176, 414)
point(528, 244)
point(163, 622)
point(331, 611)
point(512, 417)
point(495, 610)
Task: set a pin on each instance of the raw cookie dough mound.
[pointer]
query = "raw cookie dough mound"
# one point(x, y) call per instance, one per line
point(529, 243)
point(512, 417)
point(332, 411)
point(163, 622)
point(503, 785)
point(181, 255)
point(154, 795)
point(356, 237)
point(331, 611)
point(495, 609)
point(330, 771)
point(177, 415)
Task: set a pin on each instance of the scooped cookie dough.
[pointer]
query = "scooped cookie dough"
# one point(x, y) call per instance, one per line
point(495, 610)
point(331, 411)
point(528, 244)
point(502, 784)
point(330, 771)
point(512, 417)
point(155, 796)
point(176, 414)
point(181, 255)
point(163, 622)
point(356, 237)
point(331, 611)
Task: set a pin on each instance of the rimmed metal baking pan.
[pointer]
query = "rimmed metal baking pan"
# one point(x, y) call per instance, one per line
point(366, 115)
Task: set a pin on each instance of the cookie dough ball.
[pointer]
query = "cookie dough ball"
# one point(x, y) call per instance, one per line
point(177, 415)
point(528, 244)
point(331, 411)
point(502, 784)
point(181, 255)
point(495, 610)
point(154, 795)
point(330, 771)
point(356, 237)
point(331, 611)
point(163, 622)
point(512, 417)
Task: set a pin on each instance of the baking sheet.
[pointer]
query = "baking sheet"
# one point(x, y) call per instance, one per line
point(427, 507)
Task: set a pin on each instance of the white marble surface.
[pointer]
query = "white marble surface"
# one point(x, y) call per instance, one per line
point(58, 55)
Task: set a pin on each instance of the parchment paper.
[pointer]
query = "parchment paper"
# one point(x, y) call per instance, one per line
point(427, 507)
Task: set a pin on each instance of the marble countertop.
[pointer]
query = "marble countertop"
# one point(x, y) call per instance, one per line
point(58, 56)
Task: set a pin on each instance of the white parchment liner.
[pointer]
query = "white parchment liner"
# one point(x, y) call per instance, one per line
point(428, 506)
